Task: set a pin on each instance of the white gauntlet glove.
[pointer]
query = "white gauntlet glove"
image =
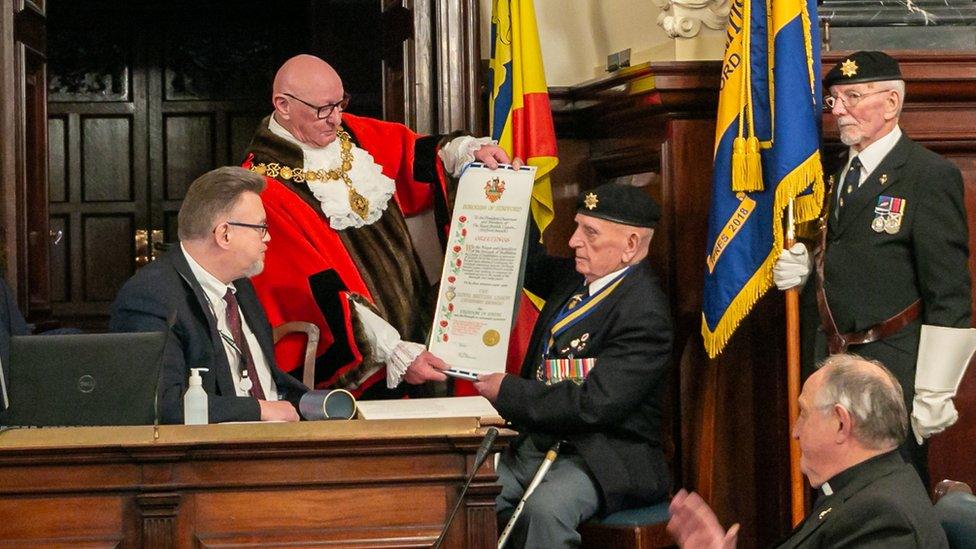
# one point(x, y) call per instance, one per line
point(460, 152)
point(792, 267)
point(386, 345)
point(943, 354)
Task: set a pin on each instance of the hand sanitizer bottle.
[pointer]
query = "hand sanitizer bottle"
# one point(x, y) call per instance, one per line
point(195, 400)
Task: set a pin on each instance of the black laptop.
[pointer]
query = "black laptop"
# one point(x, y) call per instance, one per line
point(83, 379)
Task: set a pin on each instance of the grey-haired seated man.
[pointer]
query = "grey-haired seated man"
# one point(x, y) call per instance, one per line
point(592, 376)
point(852, 420)
point(219, 323)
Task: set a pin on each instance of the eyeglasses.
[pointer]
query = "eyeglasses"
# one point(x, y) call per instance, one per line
point(848, 99)
point(261, 228)
point(324, 111)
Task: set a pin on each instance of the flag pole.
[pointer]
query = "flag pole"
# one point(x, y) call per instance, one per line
point(797, 487)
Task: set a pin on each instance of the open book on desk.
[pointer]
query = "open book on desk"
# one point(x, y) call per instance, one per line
point(418, 408)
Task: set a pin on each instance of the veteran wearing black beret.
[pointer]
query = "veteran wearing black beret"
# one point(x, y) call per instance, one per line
point(892, 282)
point(592, 376)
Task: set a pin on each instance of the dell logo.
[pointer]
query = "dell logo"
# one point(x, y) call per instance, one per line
point(86, 383)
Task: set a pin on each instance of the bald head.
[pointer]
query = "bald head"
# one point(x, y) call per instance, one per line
point(303, 75)
point(302, 85)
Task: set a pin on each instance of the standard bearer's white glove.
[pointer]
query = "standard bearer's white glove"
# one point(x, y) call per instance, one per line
point(792, 267)
point(943, 354)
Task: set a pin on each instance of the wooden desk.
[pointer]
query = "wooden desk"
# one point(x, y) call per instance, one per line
point(350, 483)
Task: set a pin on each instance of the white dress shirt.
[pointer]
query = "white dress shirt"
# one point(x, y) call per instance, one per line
point(871, 156)
point(214, 290)
point(601, 282)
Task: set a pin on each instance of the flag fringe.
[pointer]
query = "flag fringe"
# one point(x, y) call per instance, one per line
point(807, 207)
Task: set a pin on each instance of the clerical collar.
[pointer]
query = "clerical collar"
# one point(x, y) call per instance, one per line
point(839, 481)
point(601, 282)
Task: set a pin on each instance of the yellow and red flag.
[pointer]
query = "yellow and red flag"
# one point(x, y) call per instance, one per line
point(521, 121)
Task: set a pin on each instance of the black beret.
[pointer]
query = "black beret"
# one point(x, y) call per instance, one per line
point(622, 204)
point(863, 66)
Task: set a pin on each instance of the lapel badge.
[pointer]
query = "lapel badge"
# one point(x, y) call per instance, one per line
point(824, 513)
point(574, 301)
point(883, 179)
point(579, 343)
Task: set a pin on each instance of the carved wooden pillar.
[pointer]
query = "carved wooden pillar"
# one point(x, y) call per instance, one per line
point(158, 515)
point(23, 146)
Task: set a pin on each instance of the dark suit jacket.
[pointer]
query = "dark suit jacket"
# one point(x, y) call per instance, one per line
point(871, 276)
point(877, 503)
point(613, 419)
point(167, 286)
point(11, 323)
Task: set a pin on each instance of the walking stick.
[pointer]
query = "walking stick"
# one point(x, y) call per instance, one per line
point(536, 480)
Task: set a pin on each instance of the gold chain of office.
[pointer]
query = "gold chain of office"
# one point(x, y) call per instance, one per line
point(358, 203)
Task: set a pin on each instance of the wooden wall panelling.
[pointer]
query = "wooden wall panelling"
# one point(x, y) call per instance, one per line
point(138, 111)
point(97, 118)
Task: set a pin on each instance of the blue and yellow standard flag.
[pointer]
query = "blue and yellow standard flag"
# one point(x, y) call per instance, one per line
point(767, 152)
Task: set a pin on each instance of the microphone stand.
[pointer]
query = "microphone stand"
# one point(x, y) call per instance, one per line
point(536, 481)
point(479, 460)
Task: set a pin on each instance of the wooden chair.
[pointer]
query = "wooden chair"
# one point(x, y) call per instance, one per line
point(312, 342)
point(955, 506)
point(641, 528)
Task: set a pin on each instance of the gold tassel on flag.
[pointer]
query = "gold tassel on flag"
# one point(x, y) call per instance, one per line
point(754, 178)
point(746, 161)
point(739, 172)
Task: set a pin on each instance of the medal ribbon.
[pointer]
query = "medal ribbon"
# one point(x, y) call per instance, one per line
point(559, 369)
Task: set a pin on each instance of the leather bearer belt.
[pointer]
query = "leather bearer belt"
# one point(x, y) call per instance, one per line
point(836, 341)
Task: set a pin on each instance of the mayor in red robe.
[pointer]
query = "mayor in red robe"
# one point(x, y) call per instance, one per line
point(339, 188)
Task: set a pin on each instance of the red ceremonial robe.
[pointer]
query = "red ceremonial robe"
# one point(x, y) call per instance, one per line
point(311, 268)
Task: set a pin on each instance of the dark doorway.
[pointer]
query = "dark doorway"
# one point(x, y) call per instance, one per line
point(143, 97)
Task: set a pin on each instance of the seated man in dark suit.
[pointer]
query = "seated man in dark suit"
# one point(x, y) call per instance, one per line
point(852, 420)
point(219, 324)
point(11, 323)
point(592, 376)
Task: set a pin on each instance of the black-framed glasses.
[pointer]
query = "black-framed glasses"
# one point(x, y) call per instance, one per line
point(324, 111)
point(848, 99)
point(261, 228)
